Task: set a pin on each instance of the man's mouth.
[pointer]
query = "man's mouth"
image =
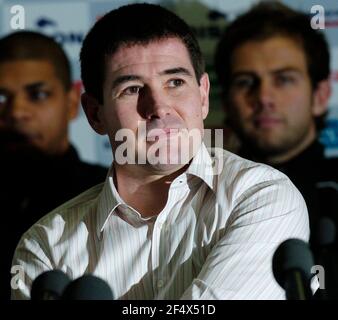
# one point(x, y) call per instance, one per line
point(160, 133)
point(266, 122)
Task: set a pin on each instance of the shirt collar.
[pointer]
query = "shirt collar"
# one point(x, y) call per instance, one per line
point(202, 166)
point(108, 201)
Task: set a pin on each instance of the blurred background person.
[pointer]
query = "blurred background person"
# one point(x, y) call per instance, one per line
point(274, 72)
point(39, 168)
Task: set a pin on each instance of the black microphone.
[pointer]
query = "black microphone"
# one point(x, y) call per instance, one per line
point(49, 285)
point(88, 287)
point(326, 256)
point(291, 264)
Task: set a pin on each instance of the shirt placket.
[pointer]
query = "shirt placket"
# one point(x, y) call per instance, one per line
point(160, 241)
point(158, 253)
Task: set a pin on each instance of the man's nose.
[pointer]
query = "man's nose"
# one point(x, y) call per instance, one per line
point(155, 104)
point(264, 95)
point(19, 110)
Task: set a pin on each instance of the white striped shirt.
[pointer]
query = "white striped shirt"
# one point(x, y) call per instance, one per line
point(214, 239)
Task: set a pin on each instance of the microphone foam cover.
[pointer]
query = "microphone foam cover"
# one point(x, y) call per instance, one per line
point(292, 254)
point(88, 287)
point(49, 285)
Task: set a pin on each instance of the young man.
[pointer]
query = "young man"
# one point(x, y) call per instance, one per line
point(193, 225)
point(274, 72)
point(39, 168)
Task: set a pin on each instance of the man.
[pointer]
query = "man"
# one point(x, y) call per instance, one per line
point(192, 225)
point(39, 168)
point(274, 72)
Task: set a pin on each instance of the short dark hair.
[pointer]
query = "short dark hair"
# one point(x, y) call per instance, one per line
point(131, 24)
point(268, 19)
point(24, 45)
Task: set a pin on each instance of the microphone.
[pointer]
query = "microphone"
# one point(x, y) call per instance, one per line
point(291, 264)
point(326, 256)
point(49, 285)
point(88, 287)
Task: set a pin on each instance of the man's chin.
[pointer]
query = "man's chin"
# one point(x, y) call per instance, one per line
point(16, 143)
point(259, 139)
point(21, 151)
point(267, 148)
point(166, 168)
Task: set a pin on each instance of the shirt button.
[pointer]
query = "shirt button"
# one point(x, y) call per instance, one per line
point(160, 283)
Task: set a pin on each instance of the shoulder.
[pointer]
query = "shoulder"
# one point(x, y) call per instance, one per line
point(253, 193)
point(67, 216)
point(246, 183)
point(239, 172)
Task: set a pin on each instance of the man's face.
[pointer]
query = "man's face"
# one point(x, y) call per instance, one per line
point(34, 107)
point(271, 105)
point(155, 85)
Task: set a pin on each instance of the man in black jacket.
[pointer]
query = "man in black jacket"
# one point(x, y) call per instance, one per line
point(39, 168)
point(274, 72)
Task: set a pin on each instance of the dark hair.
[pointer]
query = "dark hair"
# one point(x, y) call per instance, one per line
point(268, 19)
point(24, 45)
point(131, 24)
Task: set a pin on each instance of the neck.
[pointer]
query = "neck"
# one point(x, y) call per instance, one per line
point(144, 189)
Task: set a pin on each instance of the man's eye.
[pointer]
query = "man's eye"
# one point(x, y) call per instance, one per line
point(39, 95)
point(131, 90)
point(284, 79)
point(176, 83)
point(243, 83)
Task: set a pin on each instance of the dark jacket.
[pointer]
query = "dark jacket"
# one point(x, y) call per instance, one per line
point(30, 188)
point(316, 177)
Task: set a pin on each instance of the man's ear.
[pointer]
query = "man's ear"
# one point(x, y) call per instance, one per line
point(73, 102)
point(93, 112)
point(204, 91)
point(321, 98)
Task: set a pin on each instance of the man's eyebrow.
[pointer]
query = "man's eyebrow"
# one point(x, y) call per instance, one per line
point(35, 85)
point(125, 78)
point(29, 87)
point(253, 73)
point(243, 73)
point(130, 77)
point(178, 70)
point(287, 69)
